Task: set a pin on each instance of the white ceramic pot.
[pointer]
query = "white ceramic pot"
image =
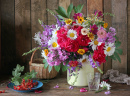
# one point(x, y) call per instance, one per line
point(81, 77)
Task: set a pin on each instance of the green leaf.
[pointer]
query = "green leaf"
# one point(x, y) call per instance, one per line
point(57, 68)
point(39, 21)
point(79, 11)
point(45, 63)
point(117, 44)
point(70, 8)
point(49, 68)
point(106, 58)
point(59, 16)
point(113, 57)
point(64, 68)
point(61, 11)
point(117, 56)
point(75, 10)
point(119, 51)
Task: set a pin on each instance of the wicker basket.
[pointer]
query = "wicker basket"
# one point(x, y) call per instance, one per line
point(38, 66)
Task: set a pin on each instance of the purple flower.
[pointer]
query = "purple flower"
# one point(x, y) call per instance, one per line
point(57, 86)
point(94, 29)
point(57, 56)
point(107, 93)
point(59, 22)
point(71, 87)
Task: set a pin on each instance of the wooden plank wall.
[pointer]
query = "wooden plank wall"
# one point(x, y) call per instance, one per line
point(19, 22)
point(0, 35)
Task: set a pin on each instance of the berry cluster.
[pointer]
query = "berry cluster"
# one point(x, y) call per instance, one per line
point(26, 85)
point(3, 91)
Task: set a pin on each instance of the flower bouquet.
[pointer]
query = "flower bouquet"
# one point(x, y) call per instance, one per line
point(78, 45)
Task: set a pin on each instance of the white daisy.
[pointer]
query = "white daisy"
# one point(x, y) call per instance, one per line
point(109, 49)
point(84, 59)
point(37, 38)
point(54, 32)
point(72, 34)
point(53, 43)
point(94, 44)
point(44, 53)
point(104, 84)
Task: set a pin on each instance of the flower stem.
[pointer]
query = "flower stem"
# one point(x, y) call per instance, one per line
point(104, 88)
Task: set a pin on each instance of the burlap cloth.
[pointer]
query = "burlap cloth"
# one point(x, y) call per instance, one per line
point(115, 76)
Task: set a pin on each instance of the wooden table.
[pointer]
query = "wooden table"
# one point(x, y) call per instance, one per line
point(48, 90)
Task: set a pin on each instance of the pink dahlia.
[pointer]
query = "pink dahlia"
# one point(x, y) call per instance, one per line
point(77, 15)
point(102, 33)
point(99, 13)
point(94, 29)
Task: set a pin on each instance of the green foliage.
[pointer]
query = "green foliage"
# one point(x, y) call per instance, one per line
point(113, 57)
point(117, 44)
point(61, 11)
point(78, 9)
point(45, 63)
point(117, 56)
point(119, 51)
point(109, 14)
point(26, 53)
point(49, 68)
point(64, 68)
point(17, 78)
point(39, 21)
point(57, 68)
point(106, 58)
point(69, 10)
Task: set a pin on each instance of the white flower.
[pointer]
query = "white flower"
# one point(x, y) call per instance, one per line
point(94, 44)
point(72, 34)
point(54, 32)
point(109, 49)
point(44, 53)
point(84, 31)
point(84, 59)
point(37, 38)
point(85, 24)
point(104, 84)
point(53, 42)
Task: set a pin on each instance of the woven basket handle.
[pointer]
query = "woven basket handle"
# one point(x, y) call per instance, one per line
point(30, 62)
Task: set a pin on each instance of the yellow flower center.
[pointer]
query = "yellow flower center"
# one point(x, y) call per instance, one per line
point(105, 25)
point(84, 60)
point(108, 49)
point(46, 51)
point(81, 51)
point(56, 32)
point(92, 29)
point(71, 34)
point(91, 36)
point(68, 21)
point(95, 42)
point(54, 44)
point(80, 19)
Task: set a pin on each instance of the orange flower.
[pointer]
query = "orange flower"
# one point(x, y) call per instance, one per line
point(105, 25)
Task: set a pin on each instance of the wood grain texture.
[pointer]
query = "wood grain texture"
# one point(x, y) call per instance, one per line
point(38, 11)
point(64, 3)
point(49, 90)
point(128, 39)
point(23, 30)
point(0, 35)
point(108, 19)
point(77, 2)
point(92, 6)
point(7, 36)
point(119, 9)
point(52, 5)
